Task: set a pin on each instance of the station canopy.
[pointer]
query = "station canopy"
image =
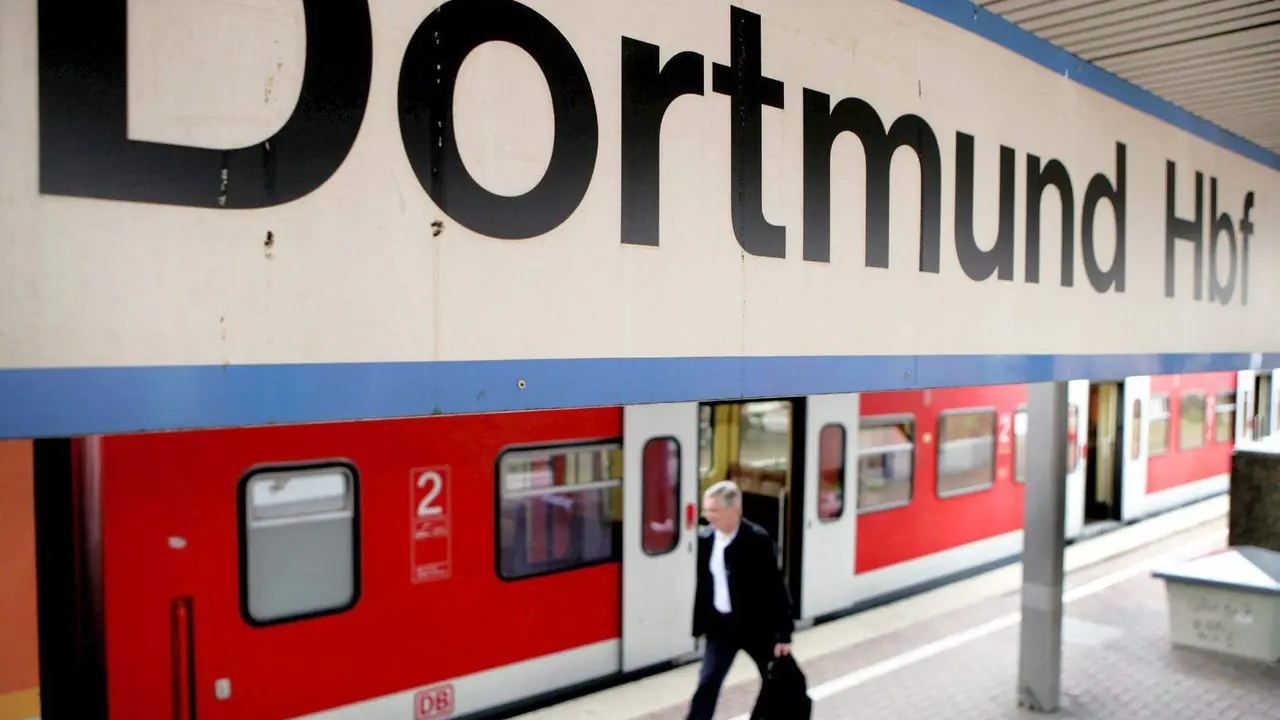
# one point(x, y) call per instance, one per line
point(1219, 59)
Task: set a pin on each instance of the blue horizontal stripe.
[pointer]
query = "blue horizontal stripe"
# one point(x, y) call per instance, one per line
point(76, 401)
point(993, 27)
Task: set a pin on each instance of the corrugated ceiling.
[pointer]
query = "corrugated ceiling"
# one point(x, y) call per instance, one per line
point(1219, 59)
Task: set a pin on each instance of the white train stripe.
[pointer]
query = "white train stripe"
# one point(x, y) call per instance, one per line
point(489, 688)
point(1162, 500)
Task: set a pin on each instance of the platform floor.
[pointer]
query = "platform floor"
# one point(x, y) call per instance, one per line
point(952, 654)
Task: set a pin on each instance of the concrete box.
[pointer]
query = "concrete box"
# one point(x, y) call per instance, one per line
point(1227, 602)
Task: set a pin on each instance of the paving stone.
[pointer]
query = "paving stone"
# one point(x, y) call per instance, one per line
point(1117, 663)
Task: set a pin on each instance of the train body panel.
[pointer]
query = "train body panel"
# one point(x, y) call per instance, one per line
point(659, 540)
point(1193, 424)
point(1196, 439)
point(168, 536)
point(480, 692)
point(1274, 426)
point(967, 433)
point(1078, 445)
point(832, 439)
point(929, 570)
point(1134, 501)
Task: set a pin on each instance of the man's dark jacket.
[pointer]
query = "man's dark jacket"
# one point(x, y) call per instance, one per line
point(759, 598)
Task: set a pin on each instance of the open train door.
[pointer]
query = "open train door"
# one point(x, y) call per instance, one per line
point(1137, 402)
point(659, 532)
point(1265, 416)
point(1275, 402)
point(830, 500)
point(1077, 454)
point(1245, 405)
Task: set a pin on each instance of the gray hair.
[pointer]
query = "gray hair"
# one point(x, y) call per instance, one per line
point(727, 491)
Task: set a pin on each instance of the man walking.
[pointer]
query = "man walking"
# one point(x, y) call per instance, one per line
point(741, 602)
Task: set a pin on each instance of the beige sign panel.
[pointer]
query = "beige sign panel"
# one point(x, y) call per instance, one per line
point(239, 183)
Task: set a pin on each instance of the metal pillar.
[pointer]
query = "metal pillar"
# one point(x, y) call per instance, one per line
point(1040, 653)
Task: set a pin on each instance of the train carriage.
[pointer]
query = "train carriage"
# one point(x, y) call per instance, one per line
point(484, 561)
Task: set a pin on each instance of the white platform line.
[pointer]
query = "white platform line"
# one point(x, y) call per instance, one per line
point(937, 647)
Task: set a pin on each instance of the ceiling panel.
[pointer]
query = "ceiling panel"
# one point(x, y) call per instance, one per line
point(1219, 59)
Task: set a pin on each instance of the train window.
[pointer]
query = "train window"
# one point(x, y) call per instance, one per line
point(764, 438)
point(300, 543)
point(1020, 420)
point(560, 508)
point(1158, 426)
point(660, 515)
point(966, 451)
point(886, 462)
point(1224, 417)
point(1191, 424)
point(831, 446)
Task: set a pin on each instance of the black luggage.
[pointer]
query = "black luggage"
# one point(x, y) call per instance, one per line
point(784, 694)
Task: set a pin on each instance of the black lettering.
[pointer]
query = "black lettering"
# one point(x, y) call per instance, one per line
point(1100, 188)
point(1246, 229)
point(822, 126)
point(743, 82)
point(85, 150)
point(977, 263)
point(647, 92)
point(1054, 174)
point(428, 76)
point(1218, 292)
point(1177, 228)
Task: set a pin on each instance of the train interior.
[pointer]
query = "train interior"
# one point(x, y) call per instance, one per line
point(1104, 466)
point(1261, 417)
point(759, 445)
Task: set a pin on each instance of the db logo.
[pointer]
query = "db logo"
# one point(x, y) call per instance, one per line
point(435, 702)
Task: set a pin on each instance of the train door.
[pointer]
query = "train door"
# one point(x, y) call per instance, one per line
point(1245, 404)
point(830, 513)
point(659, 532)
point(754, 444)
point(71, 661)
point(1274, 414)
point(1264, 399)
point(1077, 444)
point(1137, 400)
point(1105, 453)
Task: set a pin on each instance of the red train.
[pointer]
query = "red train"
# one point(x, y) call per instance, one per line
point(467, 565)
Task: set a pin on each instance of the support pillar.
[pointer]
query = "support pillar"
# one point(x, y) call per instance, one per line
point(1040, 653)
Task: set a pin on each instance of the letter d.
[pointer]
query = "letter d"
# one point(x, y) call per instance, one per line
point(85, 150)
